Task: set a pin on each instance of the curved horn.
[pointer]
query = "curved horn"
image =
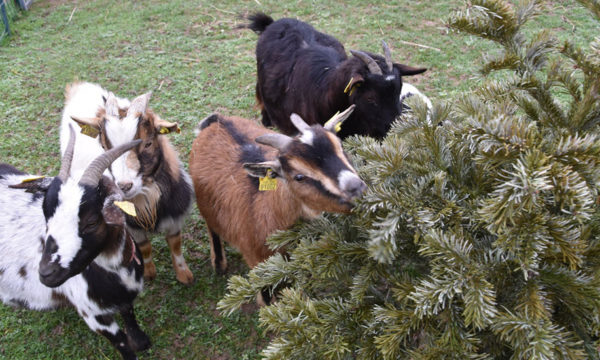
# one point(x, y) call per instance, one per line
point(388, 56)
point(338, 118)
point(371, 64)
point(94, 171)
point(278, 141)
point(67, 158)
point(299, 123)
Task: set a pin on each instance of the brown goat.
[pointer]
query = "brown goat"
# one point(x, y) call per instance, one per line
point(230, 154)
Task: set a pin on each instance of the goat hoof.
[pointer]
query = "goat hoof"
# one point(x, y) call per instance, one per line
point(185, 277)
point(149, 271)
point(139, 341)
point(221, 271)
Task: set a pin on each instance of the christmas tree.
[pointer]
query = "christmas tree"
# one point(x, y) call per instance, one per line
point(479, 235)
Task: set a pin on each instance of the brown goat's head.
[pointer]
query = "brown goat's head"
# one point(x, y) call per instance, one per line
point(313, 165)
point(117, 126)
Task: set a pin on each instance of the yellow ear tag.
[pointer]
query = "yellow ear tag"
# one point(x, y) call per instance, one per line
point(348, 86)
point(166, 130)
point(127, 207)
point(89, 130)
point(338, 126)
point(33, 178)
point(267, 183)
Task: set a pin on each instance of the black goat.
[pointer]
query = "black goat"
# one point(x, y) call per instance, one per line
point(301, 70)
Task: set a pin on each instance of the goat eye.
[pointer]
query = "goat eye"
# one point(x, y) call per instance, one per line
point(148, 144)
point(299, 177)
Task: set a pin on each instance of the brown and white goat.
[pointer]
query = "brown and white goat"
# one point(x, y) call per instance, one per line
point(230, 154)
point(150, 175)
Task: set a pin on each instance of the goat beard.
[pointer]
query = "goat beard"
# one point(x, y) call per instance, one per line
point(146, 203)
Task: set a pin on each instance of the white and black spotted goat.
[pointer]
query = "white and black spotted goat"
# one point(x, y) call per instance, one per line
point(64, 241)
point(150, 175)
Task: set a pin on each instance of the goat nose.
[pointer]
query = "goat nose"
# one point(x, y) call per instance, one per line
point(125, 185)
point(355, 187)
point(46, 270)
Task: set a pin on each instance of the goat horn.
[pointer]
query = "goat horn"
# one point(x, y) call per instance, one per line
point(94, 171)
point(67, 158)
point(371, 64)
point(338, 118)
point(299, 123)
point(278, 141)
point(388, 55)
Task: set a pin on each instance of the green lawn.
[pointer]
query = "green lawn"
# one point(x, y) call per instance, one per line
point(196, 61)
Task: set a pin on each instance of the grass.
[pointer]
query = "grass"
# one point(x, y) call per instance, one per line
point(196, 62)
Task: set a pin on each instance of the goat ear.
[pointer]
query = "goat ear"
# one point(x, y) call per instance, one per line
point(355, 81)
point(34, 184)
point(260, 169)
point(139, 104)
point(165, 127)
point(406, 70)
point(89, 126)
point(112, 214)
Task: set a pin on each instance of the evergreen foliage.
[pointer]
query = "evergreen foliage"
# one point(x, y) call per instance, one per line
point(479, 235)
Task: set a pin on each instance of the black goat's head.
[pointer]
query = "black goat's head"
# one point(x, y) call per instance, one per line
point(374, 87)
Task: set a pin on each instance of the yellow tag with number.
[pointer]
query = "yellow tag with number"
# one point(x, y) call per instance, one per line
point(89, 130)
point(267, 183)
point(33, 178)
point(127, 207)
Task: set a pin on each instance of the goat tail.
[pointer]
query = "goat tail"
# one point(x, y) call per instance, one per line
point(204, 123)
point(259, 22)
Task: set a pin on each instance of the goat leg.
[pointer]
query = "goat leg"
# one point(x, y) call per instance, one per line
point(182, 271)
point(138, 340)
point(108, 327)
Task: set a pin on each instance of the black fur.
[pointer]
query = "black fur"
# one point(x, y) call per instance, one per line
point(105, 287)
point(217, 246)
point(175, 199)
point(138, 340)
point(50, 202)
point(259, 22)
point(209, 120)
point(6, 169)
point(119, 341)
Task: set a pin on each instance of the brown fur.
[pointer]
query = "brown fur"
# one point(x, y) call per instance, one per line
point(145, 205)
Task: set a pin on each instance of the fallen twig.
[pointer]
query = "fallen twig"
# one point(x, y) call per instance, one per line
point(420, 45)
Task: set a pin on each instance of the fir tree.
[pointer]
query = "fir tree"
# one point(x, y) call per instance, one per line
point(479, 235)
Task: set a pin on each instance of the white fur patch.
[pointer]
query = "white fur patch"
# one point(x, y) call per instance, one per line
point(307, 137)
point(390, 77)
point(63, 226)
point(121, 132)
point(345, 177)
point(84, 101)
